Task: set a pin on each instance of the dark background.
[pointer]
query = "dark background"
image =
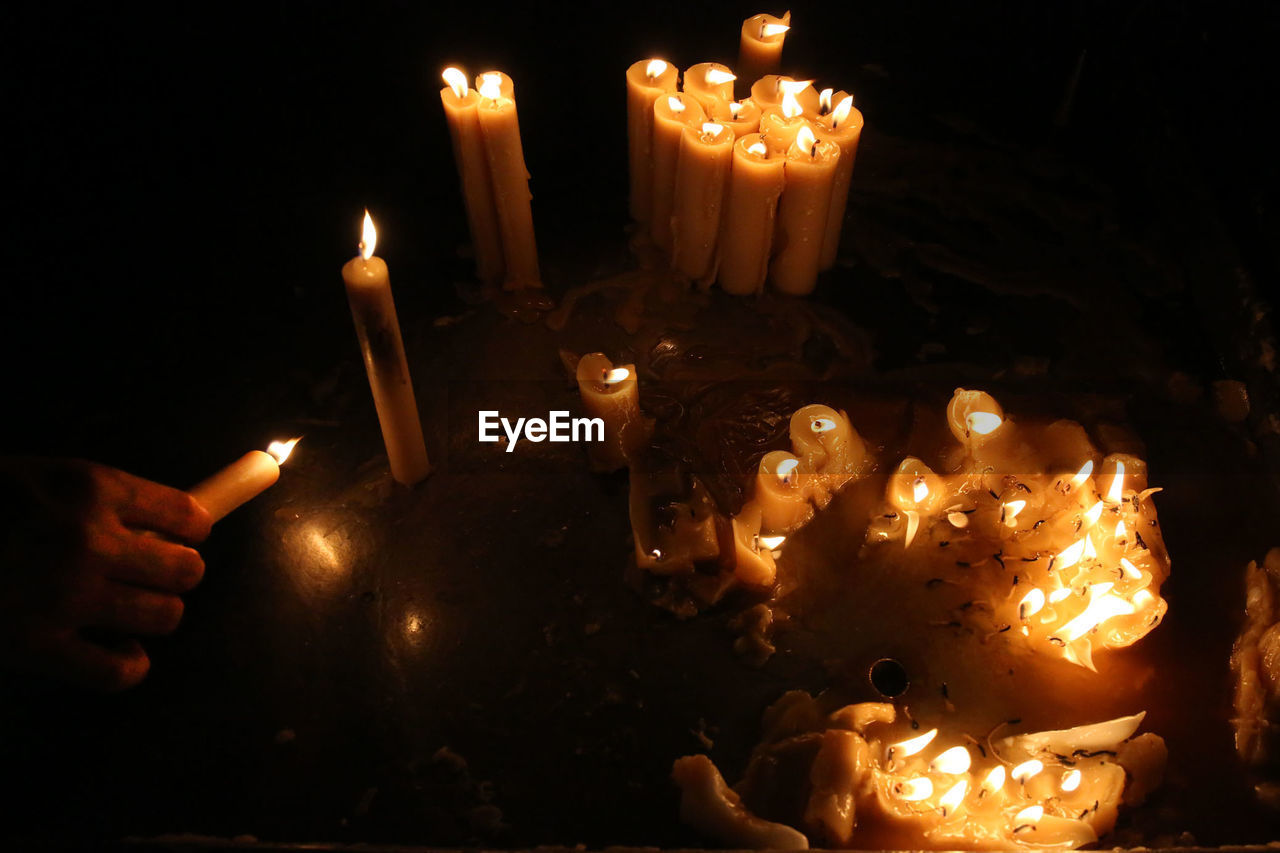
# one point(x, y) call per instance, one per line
point(186, 183)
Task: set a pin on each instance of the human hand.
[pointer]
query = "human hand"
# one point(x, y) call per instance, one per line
point(90, 560)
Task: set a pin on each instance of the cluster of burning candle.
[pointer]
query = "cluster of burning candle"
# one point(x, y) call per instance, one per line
point(495, 181)
point(1069, 561)
point(740, 192)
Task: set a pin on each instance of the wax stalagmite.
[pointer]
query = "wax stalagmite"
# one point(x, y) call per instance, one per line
point(760, 48)
point(378, 329)
point(709, 83)
point(647, 80)
point(750, 212)
point(242, 480)
point(505, 153)
point(460, 109)
point(802, 213)
point(671, 115)
point(613, 395)
point(842, 126)
point(702, 171)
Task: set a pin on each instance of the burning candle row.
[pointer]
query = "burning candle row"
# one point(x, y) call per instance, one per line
point(740, 192)
point(1068, 561)
point(495, 181)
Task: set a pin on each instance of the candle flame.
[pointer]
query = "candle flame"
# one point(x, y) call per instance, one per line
point(919, 489)
point(824, 100)
point(785, 469)
point(456, 80)
point(759, 149)
point(1116, 493)
point(772, 542)
point(617, 374)
point(983, 423)
point(491, 85)
point(655, 68)
point(795, 87)
point(841, 113)
point(951, 800)
point(913, 790)
point(995, 779)
point(1121, 531)
point(1031, 604)
point(1091, 517)
point(1142, 598)
point(719, 76)
point(710, 130)
point(1031, 814)
point(280, 450)
point(958, 519)
point(768, 31)
point(821, 425)
point(1130, 569)
point(806, 141)
point(913, 745)
point(1059, 595)
point(1102, 606)
point(1083, 474)
point(1011, 510)
point(913, 525)
point(1026, 770)
point(735, 110)
point(791, 107)
point(1071, 555)
point(368, 237)
point(953, 761)
point(1089, 550)
point(675, 103)
point(1072, 780)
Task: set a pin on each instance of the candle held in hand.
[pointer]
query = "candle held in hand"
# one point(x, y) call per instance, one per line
point(242, 480)
point(378, 329)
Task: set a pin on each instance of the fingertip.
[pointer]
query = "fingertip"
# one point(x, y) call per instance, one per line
point(190, 570)
point(199, 522)
point(130, 665)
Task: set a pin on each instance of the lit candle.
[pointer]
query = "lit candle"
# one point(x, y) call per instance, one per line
point(742, 117)
point(750, 212)
point(242, 480)
point(770, 89)
point(613, 395)
point(802, 213)
point(378, 329)
point(754, 550)
point(460, 111)
point(760, 48)
point(647, 80)
point(671, 115)
point(829, 448)
point(702, 171)
point(781, 493)
point(843, 126)
point(974, 417)
point(709, 82)
point(505, 153)
point(782, 124)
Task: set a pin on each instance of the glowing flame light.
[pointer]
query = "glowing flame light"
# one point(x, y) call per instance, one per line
point(1059, 595)
point(954, 760)
point(1011, 510)
point(841, 113)
point(951, 800)
point(719, 76)
point(824, 100)
point(1142, 598)
point(913, 790)
point(655, 68)
point(1071, 780)
point(1102, 606)
point(791, 107)
point(821, 425)
point(1031, 814)
point(1086, 470)
point(772, 542)
point(735, 110)
point(958, 520)
point(768, 31)
point(618, 374)
point(785, 469)
point(368, 237)
point(913, 745)
point(491, 85)
point(759, 149)
point(1071, 554)
point(675, 103)
point(457, 81)
point(280, 450)
point(710, 130)
point(1116, 493)
point(1026, 770)
point(995, 779)
point(919, 489)
point(913, 525)
point(1130, 569)
point(983, 423)
point(1091, 517)
point(1031, 604)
